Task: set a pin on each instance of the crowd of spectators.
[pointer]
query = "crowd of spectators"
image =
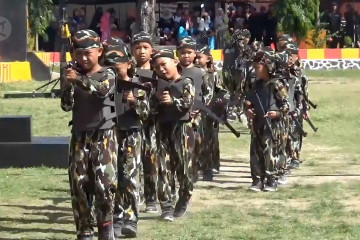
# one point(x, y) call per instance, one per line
point(343, 29)
point(210, 28)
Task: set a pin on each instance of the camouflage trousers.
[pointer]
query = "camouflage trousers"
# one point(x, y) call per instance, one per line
point(293, 147)
point(172, 139)
point(149, 160)
point(196, 149)
point(210, 154)
point(129, 161)
point(264, 153)
point(93, 171)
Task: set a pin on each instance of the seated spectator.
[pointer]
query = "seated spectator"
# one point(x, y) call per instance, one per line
point(188, 20)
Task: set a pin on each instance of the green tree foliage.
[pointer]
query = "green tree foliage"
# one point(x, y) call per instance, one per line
point(40, 17)
point(297, 17)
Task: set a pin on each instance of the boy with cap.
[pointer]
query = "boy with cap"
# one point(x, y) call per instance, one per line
point(142, 48)
point(266, 106)
point(88, 93)
point(175, 97)
point(131, 108)
point(186, 52)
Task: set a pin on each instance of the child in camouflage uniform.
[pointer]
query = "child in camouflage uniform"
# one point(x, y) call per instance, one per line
point(174, 102)
point(88, 93)
point(266, 101)
point(186, 52)
point(131, 108)
point(216, 100)
point(142, 48)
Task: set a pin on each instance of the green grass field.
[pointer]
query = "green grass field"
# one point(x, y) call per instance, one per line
point(321, 201)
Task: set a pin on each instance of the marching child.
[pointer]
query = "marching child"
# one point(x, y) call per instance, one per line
point(131, 108)
point(88, 93)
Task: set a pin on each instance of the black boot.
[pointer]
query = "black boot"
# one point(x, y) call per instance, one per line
point(85, 236)
point(208, 175)
point(181, 206)
point(106, 231)
point(118, 224)
point(129, 229)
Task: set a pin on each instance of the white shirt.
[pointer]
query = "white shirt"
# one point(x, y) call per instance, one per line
point(203, 24)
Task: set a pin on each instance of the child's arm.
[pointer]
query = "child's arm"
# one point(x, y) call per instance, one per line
point(67, 96)
point(281, 94)
point(101, 88)
point(140, 104)
point(184, 103)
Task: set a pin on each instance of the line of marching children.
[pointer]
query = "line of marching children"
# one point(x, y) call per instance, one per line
point(276, 106)
point(138, 117)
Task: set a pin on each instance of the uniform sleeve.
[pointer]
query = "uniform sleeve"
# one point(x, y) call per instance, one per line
point(207, 88)
point(185, 103)
point(141, 105)
point(102, 87)
point(281, 94)
point(67, 99)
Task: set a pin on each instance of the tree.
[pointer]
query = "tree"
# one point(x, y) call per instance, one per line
point(297, 17)
point(40, 15)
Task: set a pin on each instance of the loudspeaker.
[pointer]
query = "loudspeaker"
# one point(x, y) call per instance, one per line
point(13, 34)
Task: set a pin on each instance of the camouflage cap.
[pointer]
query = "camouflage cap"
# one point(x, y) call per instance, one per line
point(115, 52)
point(282, 59)
point(286, 38)
point(86, 39)
point(141, 37)
point(246, 33)
point(204, 49)
point(163, 53)
point(187, 42)
point(293, 48)
point(266, 56)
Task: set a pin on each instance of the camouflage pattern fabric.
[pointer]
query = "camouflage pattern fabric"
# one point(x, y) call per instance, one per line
point(264, 156)
point(129, 160)
point(149, 160)
point(175, 139)
point(86, 39)
point(93, 170)
point(172, 139)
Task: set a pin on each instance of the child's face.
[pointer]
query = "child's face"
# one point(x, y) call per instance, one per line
point(186, 12)
point(166, 68)
point(142, 52)
point(202, 59)
point(88, 58)
point(186, 56)
point(261, 70)
point(122, 69)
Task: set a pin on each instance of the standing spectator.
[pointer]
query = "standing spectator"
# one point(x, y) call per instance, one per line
point(166, 22)
point(204, 25)
point(82, 19)
point(221, 27)
point(196, 13)
point(75, 20)
point(259, 25)
point(334, 21)
point(249, 20)
point(96, 20)
point(271, 28)
point(239, 20)
point(188, 20)
point(232, 18)
point(351, 18)
point(106, 21)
